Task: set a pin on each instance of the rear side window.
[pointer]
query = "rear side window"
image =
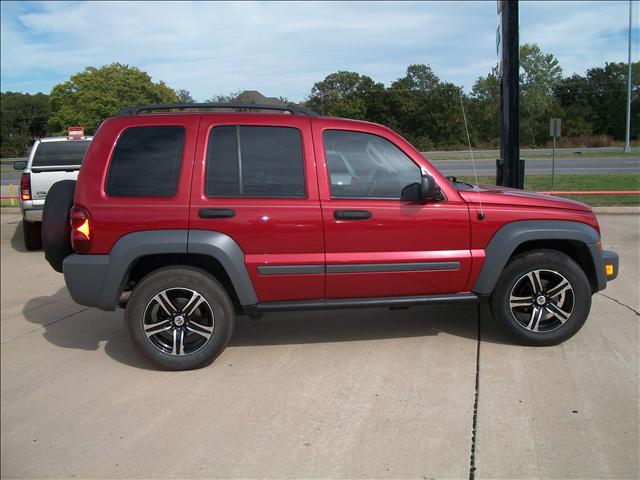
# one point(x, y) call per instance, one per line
point(60, 154)
point(146, 162)
point(255, 161)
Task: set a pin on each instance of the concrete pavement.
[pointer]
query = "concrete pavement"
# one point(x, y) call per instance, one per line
point(366, 393)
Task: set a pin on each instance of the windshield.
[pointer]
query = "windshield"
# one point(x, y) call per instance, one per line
point(63, 153)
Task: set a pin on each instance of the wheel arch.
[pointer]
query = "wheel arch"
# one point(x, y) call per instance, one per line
point(578, 240)
point(138, 254)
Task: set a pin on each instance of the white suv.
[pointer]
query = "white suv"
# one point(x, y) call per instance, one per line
point(51, 159)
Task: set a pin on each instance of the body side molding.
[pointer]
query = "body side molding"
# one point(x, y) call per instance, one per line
point(391, 267)
point(510, 236)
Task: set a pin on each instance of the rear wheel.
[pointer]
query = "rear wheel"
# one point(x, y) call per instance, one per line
point(32, 235)
point(542, 298)
point(179, 318)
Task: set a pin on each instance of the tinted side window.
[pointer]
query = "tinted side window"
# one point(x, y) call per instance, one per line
point(362, 165)
point(255, 161)
point(146, 162)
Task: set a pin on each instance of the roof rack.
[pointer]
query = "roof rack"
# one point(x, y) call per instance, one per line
point(294, 110)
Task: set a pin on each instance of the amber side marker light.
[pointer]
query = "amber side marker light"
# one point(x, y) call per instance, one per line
point(608, 268)
point(84, 228)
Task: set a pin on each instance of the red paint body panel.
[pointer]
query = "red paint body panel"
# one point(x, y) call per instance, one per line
point(303, 231)
point(281, 231)
point(114, 217)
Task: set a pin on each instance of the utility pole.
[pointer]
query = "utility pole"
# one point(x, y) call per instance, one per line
point(512, 176)
point(627, 146)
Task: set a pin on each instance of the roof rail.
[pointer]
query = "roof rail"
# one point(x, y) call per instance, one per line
point(294, 110)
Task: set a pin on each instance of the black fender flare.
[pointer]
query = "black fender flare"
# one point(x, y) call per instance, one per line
point(98, 280)
point(510, 236)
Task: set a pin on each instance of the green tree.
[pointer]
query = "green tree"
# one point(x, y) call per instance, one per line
point(344, 94)
point(539, 74)
point(574, 106)
point(90, 96)
point(484, 107)
point(427, 110)
point(596, 103)
point(23, 118)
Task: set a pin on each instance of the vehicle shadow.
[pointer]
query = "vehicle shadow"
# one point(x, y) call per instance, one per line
point(86, 328)
point(82, 328)
point(17, 240)
point(365, 324)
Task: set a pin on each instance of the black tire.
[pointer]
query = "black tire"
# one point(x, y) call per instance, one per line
point(31, 232)
point(143, 309)
point(56, 230)
point(550, 320)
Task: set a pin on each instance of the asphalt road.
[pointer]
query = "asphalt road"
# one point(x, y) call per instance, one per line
point(346, 394)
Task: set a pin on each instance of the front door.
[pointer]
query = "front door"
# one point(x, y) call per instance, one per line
point(376, 244)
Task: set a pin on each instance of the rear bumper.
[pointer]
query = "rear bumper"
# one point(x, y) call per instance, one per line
point(610, 264)
point(32, 210)
point(85, 277)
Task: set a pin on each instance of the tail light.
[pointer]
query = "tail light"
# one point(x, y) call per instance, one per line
point(25, 186)
point(80, 229)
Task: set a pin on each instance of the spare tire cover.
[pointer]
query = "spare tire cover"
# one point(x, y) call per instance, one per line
point(56, 229)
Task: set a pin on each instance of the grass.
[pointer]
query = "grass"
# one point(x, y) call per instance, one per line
point(568, 183)
point(480, 156)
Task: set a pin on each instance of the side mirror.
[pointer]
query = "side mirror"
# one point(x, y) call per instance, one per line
point(428, 188)
point(425, 191)
point(20, 165)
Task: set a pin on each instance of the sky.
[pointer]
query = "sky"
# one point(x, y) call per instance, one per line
point(283, 48)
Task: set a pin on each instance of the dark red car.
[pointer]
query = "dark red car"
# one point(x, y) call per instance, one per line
point(186, 218)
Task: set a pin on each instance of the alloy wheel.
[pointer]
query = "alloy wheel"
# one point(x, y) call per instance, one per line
point(542, 300)
point(178, 321)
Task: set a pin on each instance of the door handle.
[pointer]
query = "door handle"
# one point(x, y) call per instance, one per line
point(216, 213)
point(352, 214)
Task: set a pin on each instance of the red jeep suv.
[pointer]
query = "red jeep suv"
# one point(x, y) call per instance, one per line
point(187, 215)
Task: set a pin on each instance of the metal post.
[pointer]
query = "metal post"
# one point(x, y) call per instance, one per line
point(510, 93)
point(627, 146)
point(553, 161)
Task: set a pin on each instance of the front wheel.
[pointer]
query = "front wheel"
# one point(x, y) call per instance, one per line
point(542, 298)
point(179, 318)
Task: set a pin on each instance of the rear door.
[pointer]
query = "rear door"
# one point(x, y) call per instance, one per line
point(255, 180)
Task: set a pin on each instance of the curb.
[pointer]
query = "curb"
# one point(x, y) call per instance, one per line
point(634, 210)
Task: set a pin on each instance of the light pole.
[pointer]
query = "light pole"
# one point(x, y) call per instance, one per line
point(627, 146)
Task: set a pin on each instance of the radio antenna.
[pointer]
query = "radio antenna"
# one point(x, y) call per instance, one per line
point(473, 162)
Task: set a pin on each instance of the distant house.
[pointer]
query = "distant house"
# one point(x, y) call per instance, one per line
point(253, 96)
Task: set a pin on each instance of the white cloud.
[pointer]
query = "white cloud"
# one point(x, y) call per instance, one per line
point(283, 48)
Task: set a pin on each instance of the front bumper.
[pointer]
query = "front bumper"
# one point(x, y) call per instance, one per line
point(610, 264)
